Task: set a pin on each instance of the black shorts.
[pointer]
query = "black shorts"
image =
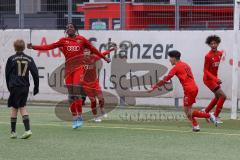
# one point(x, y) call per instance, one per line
point(18, 97)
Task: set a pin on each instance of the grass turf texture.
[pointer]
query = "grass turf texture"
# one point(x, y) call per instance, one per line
point(116, 139)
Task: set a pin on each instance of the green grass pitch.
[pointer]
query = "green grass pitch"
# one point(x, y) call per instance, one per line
point(118, 139)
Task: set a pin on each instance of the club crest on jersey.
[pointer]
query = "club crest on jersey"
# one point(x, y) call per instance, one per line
point(79, 41)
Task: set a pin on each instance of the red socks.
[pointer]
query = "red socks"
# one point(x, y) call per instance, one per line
point(76, 107)
point(198, 114)
point(79, 106)
point(211, 105)
point(72, 108)
point(101, 103)
point(194, 121)
point(220, 103)
point(94, 107)
point(216, 101)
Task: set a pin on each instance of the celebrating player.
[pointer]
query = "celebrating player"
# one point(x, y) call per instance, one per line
point(210, 78)
point(91, 84)
point(72, 46)
point(17, 79)
point(185, 76)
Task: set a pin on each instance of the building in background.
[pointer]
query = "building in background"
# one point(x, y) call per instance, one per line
point(105, 14)
point(149, 15)
point(40, 14)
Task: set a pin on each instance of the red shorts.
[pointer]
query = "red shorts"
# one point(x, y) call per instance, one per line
point(212, 85)
point(92, 89)
point(74, 78)
point(190, 98)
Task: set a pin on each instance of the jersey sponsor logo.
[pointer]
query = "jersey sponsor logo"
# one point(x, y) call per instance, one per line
point(73, 48)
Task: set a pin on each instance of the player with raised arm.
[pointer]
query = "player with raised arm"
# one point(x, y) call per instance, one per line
point(183, 71)
point(210, 77)
point(72, 47)
point(17, 79)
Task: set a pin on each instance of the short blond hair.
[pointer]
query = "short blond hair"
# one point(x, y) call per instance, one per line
point(19, 45)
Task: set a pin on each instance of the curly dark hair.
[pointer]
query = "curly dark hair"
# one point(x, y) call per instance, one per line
point(213, 38)
point(74, 25)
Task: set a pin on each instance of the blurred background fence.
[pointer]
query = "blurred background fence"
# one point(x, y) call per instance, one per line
point(118, 14)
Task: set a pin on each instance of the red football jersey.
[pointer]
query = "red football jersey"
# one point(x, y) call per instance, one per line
point(90, 70)
point(90, 73)
point(71, 48)
point(184, 73)
point(211, 65)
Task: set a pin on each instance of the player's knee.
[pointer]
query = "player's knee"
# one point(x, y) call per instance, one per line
point(14, 112)
point(189, 115)
point(217, 95)
point(101, 101)
point(70, 89)
point(223, 95)
point(83, 100)
point(72, 98)
point(83, 97)
point(92, 99)
point(23, 111)
point(25, 117)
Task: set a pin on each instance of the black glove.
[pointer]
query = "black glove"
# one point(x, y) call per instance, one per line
point(35, 91)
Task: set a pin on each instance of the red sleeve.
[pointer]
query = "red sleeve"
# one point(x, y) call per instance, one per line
point(221, 53)
point(48, 47)
point(207, 65)
point(171, 73)
point(108, 51)
point(92, 48)
point(96, 58)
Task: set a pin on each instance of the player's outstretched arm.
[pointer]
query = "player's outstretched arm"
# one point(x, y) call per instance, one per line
point(95, 58)
point(45, 47)
point(94, 50)
point(171, 73)
point(157, 85)
point(105, 53)
point(34, 71)
point(108, 51)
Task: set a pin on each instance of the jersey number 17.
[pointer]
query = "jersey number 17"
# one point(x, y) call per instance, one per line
point(22, 68)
